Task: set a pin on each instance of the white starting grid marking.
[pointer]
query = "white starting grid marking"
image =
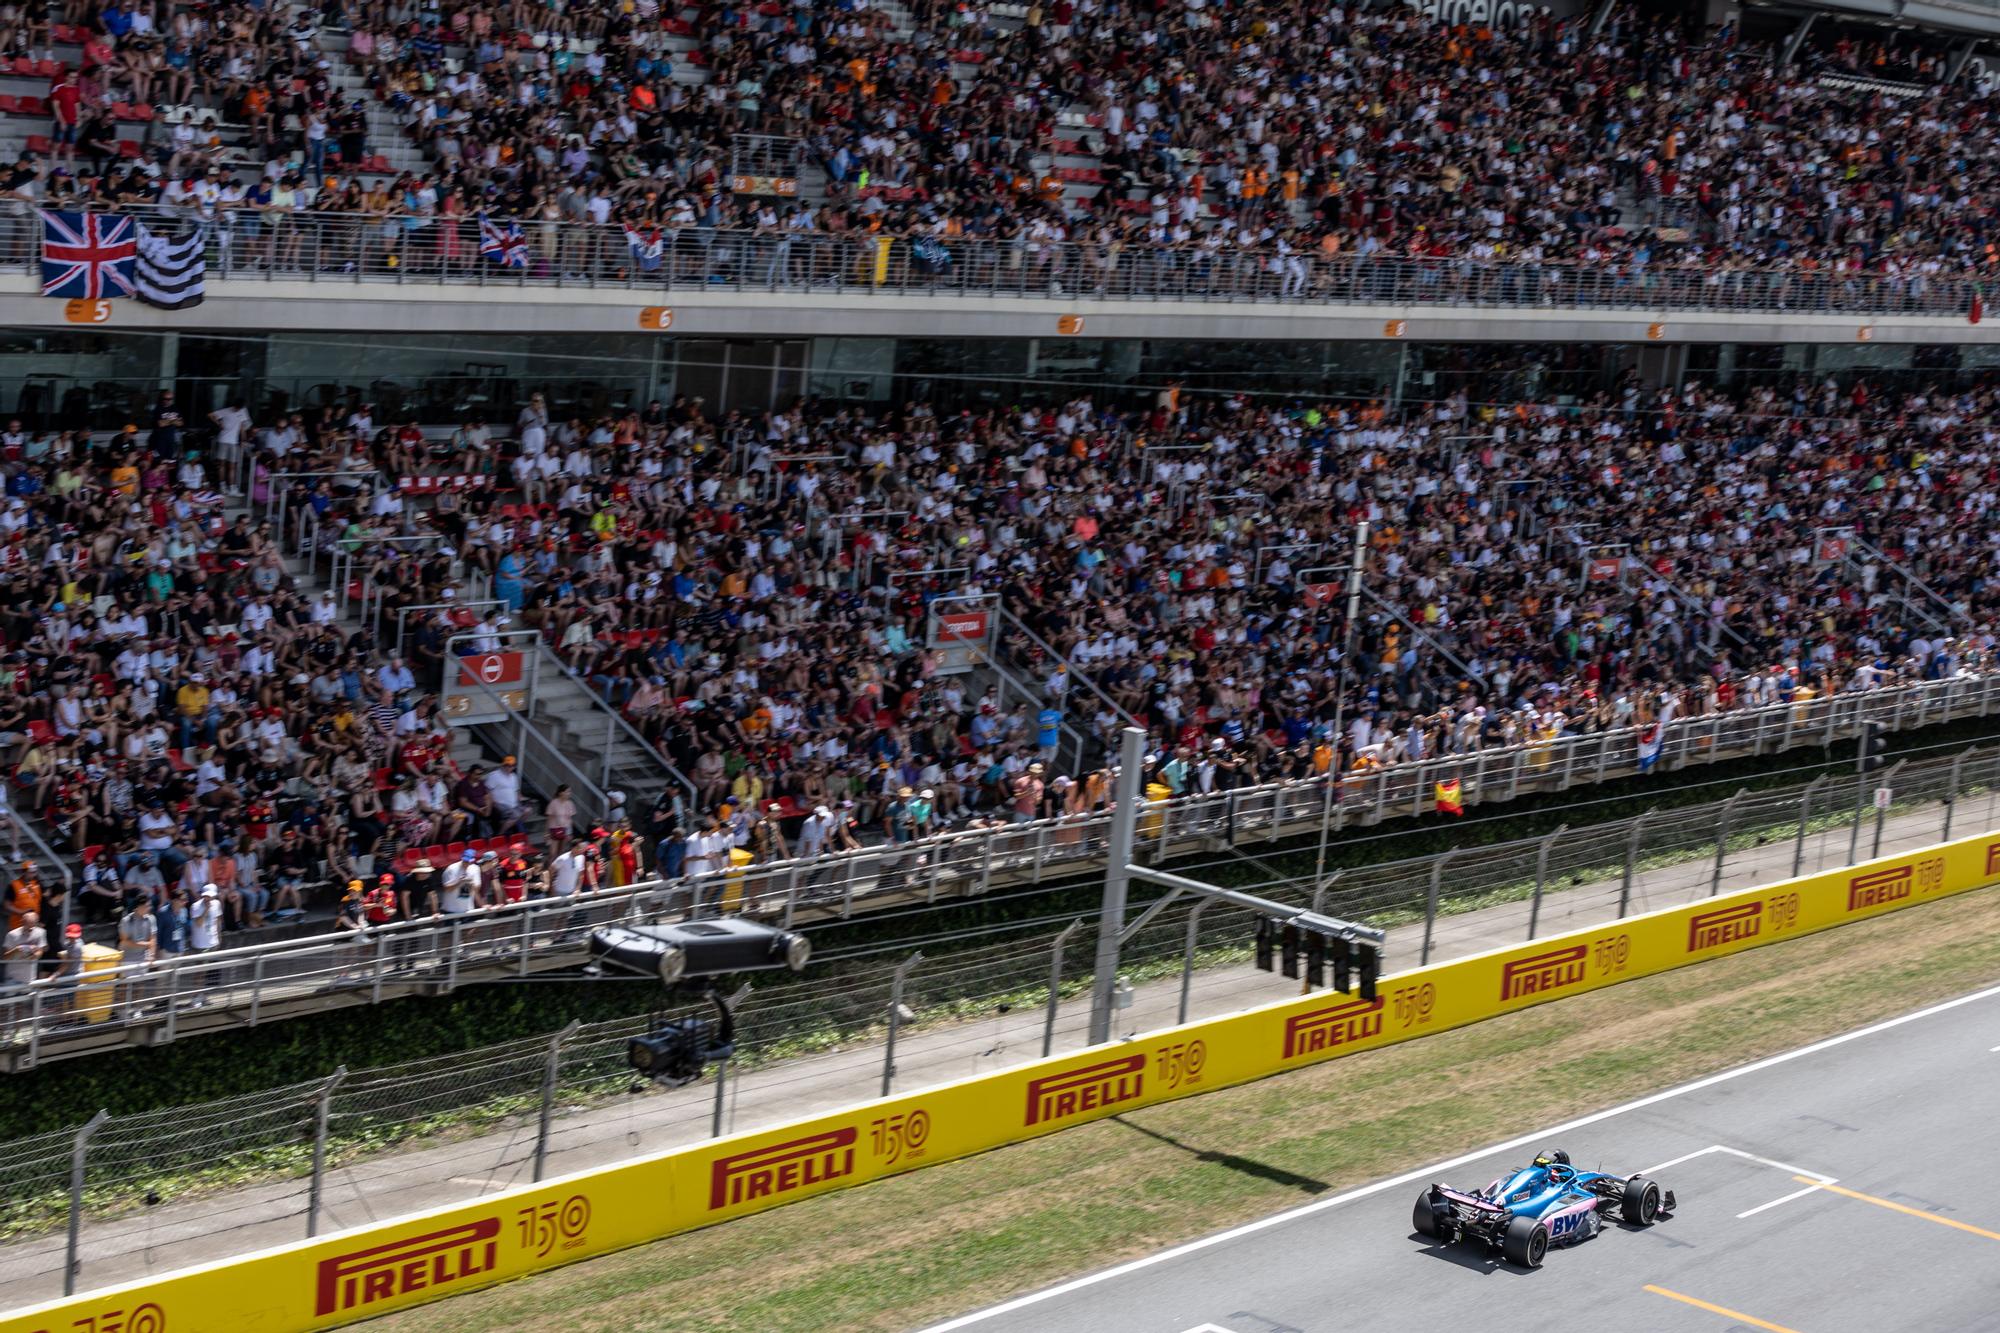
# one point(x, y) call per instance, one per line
point(1209, 1328)
point(1820, 1176)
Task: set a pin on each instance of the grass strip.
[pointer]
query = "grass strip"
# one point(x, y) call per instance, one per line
point(902, 1252)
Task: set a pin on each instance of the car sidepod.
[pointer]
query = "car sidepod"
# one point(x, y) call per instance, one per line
point(1572, 1218)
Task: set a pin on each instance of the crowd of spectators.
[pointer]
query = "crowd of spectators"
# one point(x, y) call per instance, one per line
point(752, 592)
point(1295, 142)
point(763, 622)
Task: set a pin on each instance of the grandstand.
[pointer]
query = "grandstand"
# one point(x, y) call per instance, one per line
point(714, 581)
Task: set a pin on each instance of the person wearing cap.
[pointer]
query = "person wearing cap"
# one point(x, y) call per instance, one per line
point(69, 970)
point(382, 903)
point(205, 929)
point(459, 885)
point(1027, 790)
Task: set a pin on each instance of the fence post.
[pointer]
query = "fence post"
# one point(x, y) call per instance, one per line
point(1055, 984)
point(1541, 876)
point(1882, 809)
point(550, 1073)
point(721, 1087)
point(1951, 791)
point(1631, 863)
point(1187, 957)
point(896, 1018)
point(1805, 817)
point(1722, 840)
point(72, 1265)
point(1431, 902)
point(321, 1113)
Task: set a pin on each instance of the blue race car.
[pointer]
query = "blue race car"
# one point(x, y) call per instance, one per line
point(1548, 1202)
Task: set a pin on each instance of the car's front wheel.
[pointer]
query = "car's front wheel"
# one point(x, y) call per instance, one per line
point(1641, 1204)
point(1525, 1242)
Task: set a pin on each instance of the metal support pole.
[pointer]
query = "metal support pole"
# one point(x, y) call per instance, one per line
point(721, 1086)
point(1805, 817)
point(320, 1116)
point(1187, 956)
point(1431, 902)
point(1854, 832)
point(72, 1266)
point(550, 1073)
point(896, 1018)
point(1055, 985)
point(1722, 841)
point(1951, 791)
point(1631, 864)
point(1542, 876)
point(1117, 878)
point(1882, 810)
point(1357, 568)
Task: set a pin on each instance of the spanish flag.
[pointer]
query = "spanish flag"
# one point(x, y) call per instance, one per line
point(1448, 800)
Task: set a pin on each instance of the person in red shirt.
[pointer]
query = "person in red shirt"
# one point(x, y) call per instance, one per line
point(66, 106)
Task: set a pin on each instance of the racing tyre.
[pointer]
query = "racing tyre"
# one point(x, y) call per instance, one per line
point(1427, 1222)
point(1525, 1242)
point(1641, 1204)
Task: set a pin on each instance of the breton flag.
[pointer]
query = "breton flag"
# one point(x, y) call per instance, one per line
point(503, 243)
point(648, 247)
point(86, 256)
point(171, 274)
point(1649, 746)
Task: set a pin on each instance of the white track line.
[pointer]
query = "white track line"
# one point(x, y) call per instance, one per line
point(1437, 1169)
point(1795, 1194)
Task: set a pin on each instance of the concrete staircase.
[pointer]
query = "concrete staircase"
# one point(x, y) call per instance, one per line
point(598, 741)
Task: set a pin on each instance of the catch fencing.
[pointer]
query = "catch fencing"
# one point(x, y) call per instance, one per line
point(78, 1203)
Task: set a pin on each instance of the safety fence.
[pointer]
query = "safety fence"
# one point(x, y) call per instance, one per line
point(381, 1266)
point(310, 1157)
point(346, 248)
point(168, 999)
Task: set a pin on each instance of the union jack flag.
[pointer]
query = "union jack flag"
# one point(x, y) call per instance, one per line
point(503, 243)
point(87, 255)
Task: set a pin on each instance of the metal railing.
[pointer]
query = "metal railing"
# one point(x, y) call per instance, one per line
point(157, 1003)
point(351, 249)
point(562, 1100)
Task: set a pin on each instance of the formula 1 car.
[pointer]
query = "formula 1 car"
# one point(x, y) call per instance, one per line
point(1548, 1202)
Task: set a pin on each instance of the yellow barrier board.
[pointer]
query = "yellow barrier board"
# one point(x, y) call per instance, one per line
point(370, 1270)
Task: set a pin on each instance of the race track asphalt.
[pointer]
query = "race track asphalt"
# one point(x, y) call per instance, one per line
point(1904, 1116)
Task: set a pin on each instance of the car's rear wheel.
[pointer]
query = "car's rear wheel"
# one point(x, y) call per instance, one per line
point(1641, 1204)
point(1424, 1219)
point(1525, 1242)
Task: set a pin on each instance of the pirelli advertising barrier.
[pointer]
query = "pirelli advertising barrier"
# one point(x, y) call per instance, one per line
point(367, 1271)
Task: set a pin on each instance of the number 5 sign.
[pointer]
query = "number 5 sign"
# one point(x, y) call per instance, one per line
point(82, 311)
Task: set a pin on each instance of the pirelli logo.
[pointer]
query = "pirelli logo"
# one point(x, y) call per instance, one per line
point(1993, 858)
point(1725, 925)
point(1334, 1025)
point(1878, 887)
point(781, 1168)
point(414, 1263)
point(1544, 972)
point(1087, 1089)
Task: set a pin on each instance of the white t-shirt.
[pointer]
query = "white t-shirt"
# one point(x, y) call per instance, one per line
point(229, 425)
point(461, 885)
point(566, 872)
point(205, 923)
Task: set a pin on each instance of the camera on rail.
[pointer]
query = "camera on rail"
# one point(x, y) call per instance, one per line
point(691, 951)
point(690, 955)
